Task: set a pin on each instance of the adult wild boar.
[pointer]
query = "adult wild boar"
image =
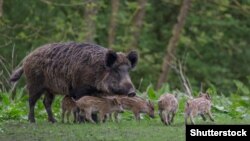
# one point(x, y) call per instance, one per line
point(75, 69)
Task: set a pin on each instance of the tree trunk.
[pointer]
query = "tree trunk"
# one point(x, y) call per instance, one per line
point(1, 8)
point(173, 42)
point(90, 12)
point(137, 22)
point(113, 22)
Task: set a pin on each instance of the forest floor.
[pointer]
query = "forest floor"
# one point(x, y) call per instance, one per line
point(145, 130)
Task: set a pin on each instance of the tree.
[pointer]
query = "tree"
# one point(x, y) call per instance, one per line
point(1, 8)
point(137, 22)
point(113, 22)
point(90, 11)
point(173, 42)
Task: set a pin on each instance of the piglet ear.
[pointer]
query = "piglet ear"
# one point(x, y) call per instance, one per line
point(150, 102)
point(110, 58)
point(133, 58)
point(115, 101)
point(200, 93)
point(208, 96)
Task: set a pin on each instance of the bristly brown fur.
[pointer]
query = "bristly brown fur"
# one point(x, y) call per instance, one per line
point(90, 104)
point(168, 106)
point(68, 107)
point(198, 106)
point(74, 69)
point(60, 68)
point(137, 105)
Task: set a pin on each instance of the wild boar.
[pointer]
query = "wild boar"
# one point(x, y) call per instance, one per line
point(198, 106)
point(69, 106)
point(137, 105)
point(103, 106)
point(74, 69)
point(167, 106)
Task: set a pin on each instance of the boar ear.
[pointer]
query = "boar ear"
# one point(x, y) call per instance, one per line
point(115, 101)
point(133, 58)
point(208, 96)
point(200, 93)
point(149, 102)
point(110, 58)
point(175, 94)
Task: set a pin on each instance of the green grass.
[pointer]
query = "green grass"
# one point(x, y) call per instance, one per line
point(15, 127)
point(146, 130)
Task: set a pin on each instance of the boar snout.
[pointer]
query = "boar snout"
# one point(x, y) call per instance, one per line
point(131, 94)
point(152, 116)
point(129, 87)
point(121, 110)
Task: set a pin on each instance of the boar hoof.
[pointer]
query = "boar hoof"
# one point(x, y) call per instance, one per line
point(52, 120)
point(32, 120)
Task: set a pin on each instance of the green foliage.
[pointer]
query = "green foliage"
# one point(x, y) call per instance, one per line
point(214, 43)
point(236, 105)
point(110, 131)
point(241, 88)
point(123, 131)
point(16, 109)
point(213, 47)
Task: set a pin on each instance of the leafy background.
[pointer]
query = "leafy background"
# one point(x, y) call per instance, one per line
point(214, 47)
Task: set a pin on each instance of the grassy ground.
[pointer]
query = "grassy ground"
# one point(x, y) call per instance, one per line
point(146, 130)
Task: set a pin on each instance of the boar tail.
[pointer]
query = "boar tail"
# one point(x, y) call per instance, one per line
point(16, 75)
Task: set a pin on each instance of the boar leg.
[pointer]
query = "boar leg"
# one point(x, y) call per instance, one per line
point(172, 118)
point(210, 116)
point(88, 117)
point(137, 116)
point(161, 116)
point(68, 115)
point(63, 113)
point(75, 114)
point(192, 120)
point(105, 118)
point(166, 121)
point(81, 116)
point(34, 94)
point(169, 118)
point(186, 118)
point(95, 117)
point(116, 116)
point(47, 102)
point(110, 116)
point(164, 117)
point(203, 117)
point(101, 117)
